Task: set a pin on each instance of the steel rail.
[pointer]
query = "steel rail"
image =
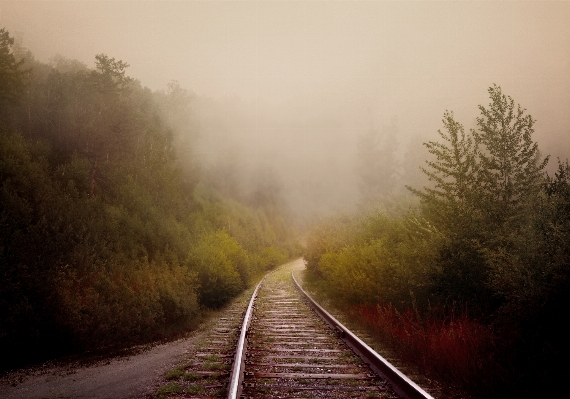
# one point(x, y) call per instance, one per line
point(237, 374)
point(401, 384)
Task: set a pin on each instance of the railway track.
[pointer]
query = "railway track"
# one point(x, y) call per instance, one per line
point(289, 347)
point(285, 346)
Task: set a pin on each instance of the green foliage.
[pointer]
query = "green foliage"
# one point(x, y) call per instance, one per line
point(453, 173)
point(535, 268)
point(486, 184)
point(173, 373)
point(105, 239)
point(70, 274)
point(11, 76)
point(510, 171)
point(222, 266)
point(325, 237)
point(273, 256)
point(236, 243)
point(452, 207)
point(266, 238)
point(110, 74)
point(490, 238)
point(375, 258)
point(171, 387)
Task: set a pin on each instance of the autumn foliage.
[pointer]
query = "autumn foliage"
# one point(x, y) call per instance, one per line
point(106, 238)
point(471, 282)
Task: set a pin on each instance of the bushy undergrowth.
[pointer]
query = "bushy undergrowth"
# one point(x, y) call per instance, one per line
point(81, 273)
point(487, 247)
point(383, 252)
point(106, 239)
point(458, 349)
point(390, 279)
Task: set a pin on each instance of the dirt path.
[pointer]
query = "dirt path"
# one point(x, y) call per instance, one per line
point(127, 377)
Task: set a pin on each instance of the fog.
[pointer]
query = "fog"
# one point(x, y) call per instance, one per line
point(283, 92)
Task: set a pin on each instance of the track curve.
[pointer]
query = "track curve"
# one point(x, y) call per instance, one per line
point(289, 349)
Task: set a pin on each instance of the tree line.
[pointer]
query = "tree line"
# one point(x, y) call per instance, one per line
point(106, 238)
point(485, 245)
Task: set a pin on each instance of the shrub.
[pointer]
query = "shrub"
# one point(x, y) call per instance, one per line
point(457, 349)
point(222, 267)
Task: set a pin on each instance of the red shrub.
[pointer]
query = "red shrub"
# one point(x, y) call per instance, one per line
point(458, 350)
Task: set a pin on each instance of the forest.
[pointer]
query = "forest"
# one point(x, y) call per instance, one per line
point(106, 238)
point(117, 228)
point(470, 280)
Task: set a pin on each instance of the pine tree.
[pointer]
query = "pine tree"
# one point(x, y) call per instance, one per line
point(453, 173)
point(510, 171)
point(451, 206)
point(485, 185)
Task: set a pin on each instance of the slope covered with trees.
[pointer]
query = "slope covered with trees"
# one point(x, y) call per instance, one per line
point(106, 238)
point(471, 283)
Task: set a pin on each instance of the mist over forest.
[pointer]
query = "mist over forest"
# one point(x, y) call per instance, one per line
point(286, 91)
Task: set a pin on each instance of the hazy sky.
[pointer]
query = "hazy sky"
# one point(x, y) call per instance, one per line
point(332, 66)
point(392, 55)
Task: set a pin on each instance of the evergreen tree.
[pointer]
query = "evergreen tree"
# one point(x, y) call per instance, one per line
point(485, 185)
point(11, 77)
point(106, 121)
point(510, 171)
point(453, 173)
point(451, 205)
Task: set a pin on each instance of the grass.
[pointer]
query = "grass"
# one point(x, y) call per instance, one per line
point(173, 373)
point(212, 358)
point(215, 366)
point(195, 389)
point(192, 376)
point(171, 387)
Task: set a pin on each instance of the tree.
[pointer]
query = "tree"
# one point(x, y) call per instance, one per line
point(484, 187)
point(451, 205)
point(109, 74)
point(453, 173)
point(496, 171)
point(11, 75)
point(510, 171)
point(104, 119)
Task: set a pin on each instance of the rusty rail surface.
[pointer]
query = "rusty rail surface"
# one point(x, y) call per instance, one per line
point(401, 384)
